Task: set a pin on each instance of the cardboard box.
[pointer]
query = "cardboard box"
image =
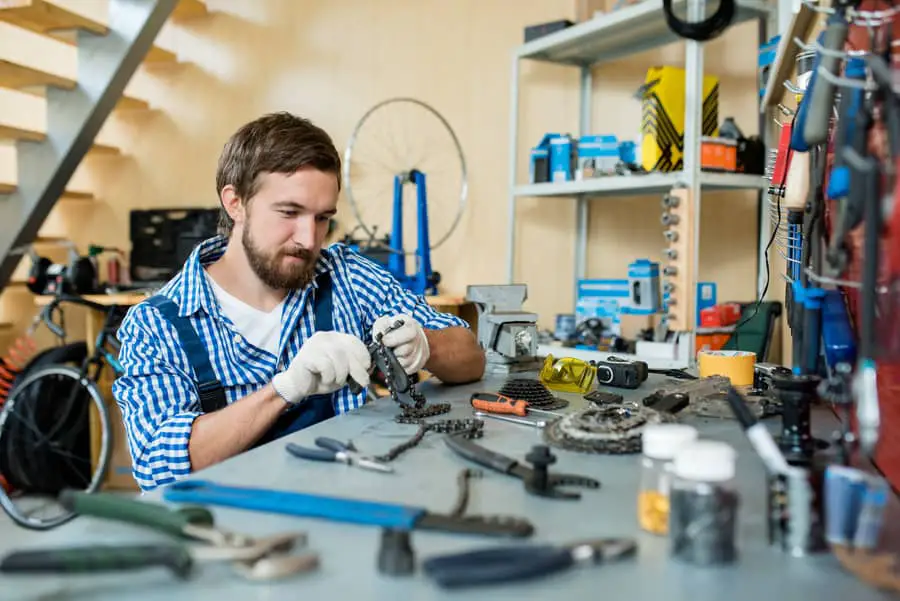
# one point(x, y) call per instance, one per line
point(662, 121)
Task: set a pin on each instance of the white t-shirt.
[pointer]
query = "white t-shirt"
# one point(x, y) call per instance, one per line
point(261, 329)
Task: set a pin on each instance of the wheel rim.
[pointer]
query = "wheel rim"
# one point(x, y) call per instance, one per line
point(97, 401)
point(399, 161)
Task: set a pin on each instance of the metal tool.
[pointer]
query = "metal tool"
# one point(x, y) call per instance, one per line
point(492, 402)
point(513, 420)
point(507, 334)
point(254, 561)
point(537, 480)
point(257, 558)
point(337, 451)
point(384, 360)
point(353, 511)
point(512, 564)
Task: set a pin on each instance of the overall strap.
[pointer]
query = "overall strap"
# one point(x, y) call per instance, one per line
point(210, 390)
point(324, 305)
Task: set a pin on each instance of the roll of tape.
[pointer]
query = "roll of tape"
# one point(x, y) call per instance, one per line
point(737, 366)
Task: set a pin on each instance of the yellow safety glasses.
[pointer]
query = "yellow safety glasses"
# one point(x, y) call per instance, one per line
point(568, 374)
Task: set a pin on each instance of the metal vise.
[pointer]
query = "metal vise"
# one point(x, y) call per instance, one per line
point(507, 334)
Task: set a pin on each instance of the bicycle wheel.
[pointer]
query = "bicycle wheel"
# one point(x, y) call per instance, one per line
point(26, 439)
point(392, 138)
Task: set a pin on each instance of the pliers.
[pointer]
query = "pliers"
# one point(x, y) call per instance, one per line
point(510, 564)
point(254, 558)
point(341, 452)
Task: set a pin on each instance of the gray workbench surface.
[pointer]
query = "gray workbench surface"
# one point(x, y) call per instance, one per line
point(426, 476)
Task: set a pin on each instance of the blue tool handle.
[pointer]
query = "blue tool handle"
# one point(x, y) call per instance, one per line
point(298, 504)
point(308, 453)
point(502, 564)
point(851, 104)
point(821, 102)
point(332, 444)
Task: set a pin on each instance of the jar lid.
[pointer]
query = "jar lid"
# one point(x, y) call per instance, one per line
point(660, 441)
point(706, 460)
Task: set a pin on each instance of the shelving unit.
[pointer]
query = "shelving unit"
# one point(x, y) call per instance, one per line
point(627, 31)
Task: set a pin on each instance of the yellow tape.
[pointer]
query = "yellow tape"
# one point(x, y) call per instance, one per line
point(737, 366)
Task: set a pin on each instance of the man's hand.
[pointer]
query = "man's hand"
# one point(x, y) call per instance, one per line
point(408, 342)
point(323, 365)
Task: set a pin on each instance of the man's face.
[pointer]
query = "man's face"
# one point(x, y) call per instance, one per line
point(285, 225)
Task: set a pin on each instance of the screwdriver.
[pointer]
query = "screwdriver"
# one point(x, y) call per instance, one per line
point(491, 402)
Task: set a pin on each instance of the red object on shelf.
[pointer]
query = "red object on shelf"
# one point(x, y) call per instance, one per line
point(720, 316)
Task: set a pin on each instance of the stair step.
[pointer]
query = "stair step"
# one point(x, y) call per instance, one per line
point(9, 174)
point(24, 117)
point(189, 9)
point(43, 16)
point(31, 60)
point(59, 19)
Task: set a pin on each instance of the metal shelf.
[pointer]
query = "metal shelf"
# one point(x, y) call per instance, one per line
point(623, 32)
point(633, 185)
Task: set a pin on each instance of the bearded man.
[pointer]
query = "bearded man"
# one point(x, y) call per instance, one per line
point(260, 332)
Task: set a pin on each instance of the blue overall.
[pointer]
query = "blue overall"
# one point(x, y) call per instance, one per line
point(313, 410)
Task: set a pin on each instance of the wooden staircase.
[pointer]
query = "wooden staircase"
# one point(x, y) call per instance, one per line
point(52, 59)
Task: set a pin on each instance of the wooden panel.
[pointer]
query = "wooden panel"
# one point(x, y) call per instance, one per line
point(43, 16)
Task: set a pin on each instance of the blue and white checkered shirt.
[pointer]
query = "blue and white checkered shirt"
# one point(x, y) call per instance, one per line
point(156, 393)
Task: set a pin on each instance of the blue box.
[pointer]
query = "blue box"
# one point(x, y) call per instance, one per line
point(597, 155)
point(628, 152)
point(563, 154)
point(643, 288)
point(603, 299)
point(539, 163)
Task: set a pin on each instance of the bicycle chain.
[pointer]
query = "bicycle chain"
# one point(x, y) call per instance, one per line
point(418, 410)
point(469, 428)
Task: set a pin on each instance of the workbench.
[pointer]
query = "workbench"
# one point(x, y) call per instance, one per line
point(426, 476)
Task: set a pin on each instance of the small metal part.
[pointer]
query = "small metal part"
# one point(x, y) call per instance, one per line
point(670, 201)
point(469, 428)
point(513, 420)
point(671, 235)
point(396, 556)
point(670, 270)
point(669, 219)
point(670, 253)
point(668, 287)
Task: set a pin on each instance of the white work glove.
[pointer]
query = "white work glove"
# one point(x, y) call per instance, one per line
point(408, 342)
point(324, 363)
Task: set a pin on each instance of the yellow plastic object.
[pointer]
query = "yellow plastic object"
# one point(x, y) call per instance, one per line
point(568, 374)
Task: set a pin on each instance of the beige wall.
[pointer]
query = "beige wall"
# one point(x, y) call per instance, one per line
point(331, 61)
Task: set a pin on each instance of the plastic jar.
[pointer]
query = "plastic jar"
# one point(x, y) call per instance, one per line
point(703, 504)
point(659, 443)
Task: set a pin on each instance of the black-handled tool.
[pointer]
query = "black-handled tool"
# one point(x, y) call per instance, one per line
point(99, 558)
point(384, 360)
point(511, 564)
point(815, 129)
point(537, 480)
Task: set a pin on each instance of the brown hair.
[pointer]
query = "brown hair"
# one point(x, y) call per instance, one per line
point(274, 143)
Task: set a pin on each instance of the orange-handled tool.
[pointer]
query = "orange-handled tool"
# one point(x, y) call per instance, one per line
point(491, 402)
